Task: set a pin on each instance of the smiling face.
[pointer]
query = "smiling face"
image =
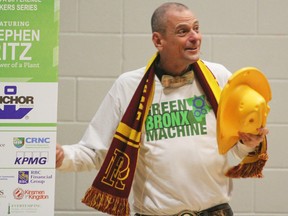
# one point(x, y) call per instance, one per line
point(179, 45)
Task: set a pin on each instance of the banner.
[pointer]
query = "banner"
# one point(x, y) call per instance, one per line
point(29, 32)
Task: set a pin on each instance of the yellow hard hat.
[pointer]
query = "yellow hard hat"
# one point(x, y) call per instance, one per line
point(243, 106)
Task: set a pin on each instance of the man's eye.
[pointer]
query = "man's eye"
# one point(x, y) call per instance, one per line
point(196, 29)
point(182, 32)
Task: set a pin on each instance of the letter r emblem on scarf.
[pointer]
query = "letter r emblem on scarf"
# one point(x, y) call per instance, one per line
point(117, 171)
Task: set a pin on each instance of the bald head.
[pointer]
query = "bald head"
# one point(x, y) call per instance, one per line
point(159, 18)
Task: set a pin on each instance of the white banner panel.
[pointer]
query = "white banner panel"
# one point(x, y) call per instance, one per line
point(27, 192)
point(28, 103)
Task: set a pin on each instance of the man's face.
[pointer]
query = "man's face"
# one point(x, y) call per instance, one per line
point(182, 40)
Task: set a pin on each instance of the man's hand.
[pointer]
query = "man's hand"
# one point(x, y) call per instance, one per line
point(59, 155)
point(252, 140)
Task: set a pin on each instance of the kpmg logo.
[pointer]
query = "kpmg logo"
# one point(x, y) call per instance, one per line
point(23, 177)
point(31, 158)
point(11, 100)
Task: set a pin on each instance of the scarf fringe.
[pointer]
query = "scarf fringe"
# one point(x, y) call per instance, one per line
point(246, 170)
point(106, 203)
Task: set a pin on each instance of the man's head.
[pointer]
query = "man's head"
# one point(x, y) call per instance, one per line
point(159, 19)
point(175, 33)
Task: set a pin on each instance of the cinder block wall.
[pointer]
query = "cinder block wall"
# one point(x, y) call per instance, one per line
point(101, 39)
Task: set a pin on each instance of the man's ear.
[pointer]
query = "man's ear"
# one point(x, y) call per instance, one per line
point(157, 40)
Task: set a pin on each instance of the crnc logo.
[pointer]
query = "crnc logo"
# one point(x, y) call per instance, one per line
point(9, 102)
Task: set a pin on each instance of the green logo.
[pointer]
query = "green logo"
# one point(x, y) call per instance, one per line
point(178, 118)
point(18, 142)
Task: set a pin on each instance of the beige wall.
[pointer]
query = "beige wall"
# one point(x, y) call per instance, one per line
point(100, 39)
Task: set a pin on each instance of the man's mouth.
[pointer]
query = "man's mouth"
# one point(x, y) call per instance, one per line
point(191, 48)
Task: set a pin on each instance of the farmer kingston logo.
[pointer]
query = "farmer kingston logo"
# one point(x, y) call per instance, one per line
point(14, 106)
point(178, 118)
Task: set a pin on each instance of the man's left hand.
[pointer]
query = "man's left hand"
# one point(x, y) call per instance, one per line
point(252, 140)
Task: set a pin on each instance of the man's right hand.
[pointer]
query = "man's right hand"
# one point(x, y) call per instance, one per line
point(59, 155)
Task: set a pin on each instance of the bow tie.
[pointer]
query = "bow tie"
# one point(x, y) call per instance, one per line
point(168, 81)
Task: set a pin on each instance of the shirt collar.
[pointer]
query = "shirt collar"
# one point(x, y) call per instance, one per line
point(160, 72)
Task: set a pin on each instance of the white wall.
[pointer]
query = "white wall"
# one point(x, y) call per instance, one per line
point(100, 39)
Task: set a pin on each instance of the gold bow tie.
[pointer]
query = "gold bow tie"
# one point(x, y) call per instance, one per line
point(168, 81)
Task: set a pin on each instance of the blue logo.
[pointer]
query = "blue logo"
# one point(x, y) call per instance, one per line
point(31, 158)
point(10, 100)
point(23, 177)
point(31, 142)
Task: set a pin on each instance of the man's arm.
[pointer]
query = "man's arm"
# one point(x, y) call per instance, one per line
point(75, 158)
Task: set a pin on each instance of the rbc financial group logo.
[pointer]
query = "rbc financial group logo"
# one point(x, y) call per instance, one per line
point(23, 177)
point(13, 106)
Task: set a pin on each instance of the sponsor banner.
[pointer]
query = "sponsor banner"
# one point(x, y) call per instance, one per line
point(27, 149)
point(29, 40)
point(29, 104)
point(29, 192)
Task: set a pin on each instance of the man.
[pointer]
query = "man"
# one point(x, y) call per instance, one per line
point(179, 170)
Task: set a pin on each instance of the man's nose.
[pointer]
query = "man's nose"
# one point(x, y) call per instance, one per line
point(194, 35)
